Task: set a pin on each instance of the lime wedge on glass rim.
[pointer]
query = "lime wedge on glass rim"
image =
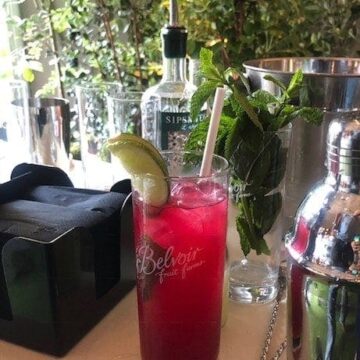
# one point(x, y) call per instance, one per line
point(141, 159)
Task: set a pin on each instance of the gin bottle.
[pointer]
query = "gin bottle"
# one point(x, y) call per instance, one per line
point(166, 118)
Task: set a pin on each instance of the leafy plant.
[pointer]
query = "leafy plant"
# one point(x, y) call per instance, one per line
point(111, 40)
point(90, 41)
point(238, 30)
point(250, 140)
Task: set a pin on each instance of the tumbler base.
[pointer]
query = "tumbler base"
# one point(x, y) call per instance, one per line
point(252, 282)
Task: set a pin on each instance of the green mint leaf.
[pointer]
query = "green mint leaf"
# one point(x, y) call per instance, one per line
point(294, 85)
point(252, 158)
point(263, 100)
point(278, 156)
point(225, 126)
point(232, 76)
point(242, 160)
point(200, 97)
point(258, 169)
point(304, 96)
point(289, 113)
point(245, 82)
point(197, 138)
point(267, 106)
point(244, 234)
point(311, 115)
point(206, 57)
point(277, 82)
point(263, 248)
point(250, 235)
point(236, 107)
point(265, 210)
point(234, 136)
point(207, 68)
point(246, 105)
point(285, 116)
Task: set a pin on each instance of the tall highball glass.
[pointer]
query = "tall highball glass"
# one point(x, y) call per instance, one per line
point(180, 252)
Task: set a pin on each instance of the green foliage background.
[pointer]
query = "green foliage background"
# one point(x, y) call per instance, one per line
point(106, 40)
point(260, 28)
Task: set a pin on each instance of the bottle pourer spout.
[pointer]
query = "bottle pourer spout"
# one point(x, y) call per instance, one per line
point(174, 13)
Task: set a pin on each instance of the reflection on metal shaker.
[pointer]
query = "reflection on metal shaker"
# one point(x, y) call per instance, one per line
point(324, 248)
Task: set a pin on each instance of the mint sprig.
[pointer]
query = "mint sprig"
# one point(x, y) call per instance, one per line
point(248, 139)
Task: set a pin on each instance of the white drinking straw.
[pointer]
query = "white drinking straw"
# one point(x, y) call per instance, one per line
point(212, 132)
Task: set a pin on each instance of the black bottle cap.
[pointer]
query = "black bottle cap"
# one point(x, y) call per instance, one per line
point(174, 41)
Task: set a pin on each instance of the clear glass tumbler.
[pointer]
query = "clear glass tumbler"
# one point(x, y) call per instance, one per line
point(94, 133)
point(125, 113)
point(256, 218)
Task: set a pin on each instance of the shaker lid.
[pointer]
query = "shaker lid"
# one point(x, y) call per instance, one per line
point(343, 144)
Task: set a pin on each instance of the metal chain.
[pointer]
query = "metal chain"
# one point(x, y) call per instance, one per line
point(280, 350)
point(274, 314)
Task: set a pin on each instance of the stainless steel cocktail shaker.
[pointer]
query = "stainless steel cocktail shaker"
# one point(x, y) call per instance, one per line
point(324, 248)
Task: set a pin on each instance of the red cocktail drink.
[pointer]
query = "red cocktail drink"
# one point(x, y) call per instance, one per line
point(180, 251)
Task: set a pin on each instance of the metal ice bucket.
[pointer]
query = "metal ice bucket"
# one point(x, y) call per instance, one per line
point(331, 84)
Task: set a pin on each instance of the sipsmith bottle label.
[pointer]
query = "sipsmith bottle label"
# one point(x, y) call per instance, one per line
point(174, 129)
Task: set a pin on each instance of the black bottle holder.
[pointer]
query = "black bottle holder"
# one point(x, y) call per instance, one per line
point(67, 257)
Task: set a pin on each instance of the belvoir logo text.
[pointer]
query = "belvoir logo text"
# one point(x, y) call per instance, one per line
point(169, 265)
